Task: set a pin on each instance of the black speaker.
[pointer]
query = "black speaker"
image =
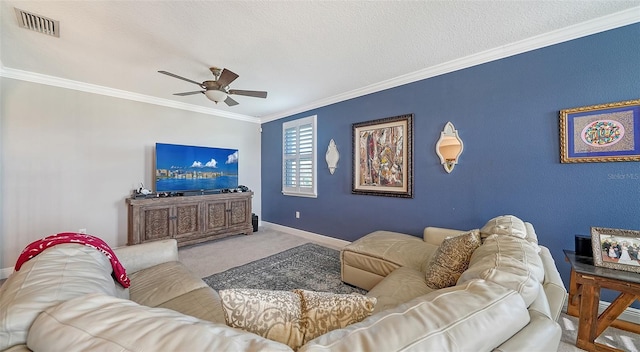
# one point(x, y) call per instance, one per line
point(254, 220)
point(583, 246)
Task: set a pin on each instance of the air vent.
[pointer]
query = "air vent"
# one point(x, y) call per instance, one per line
point(38, 23)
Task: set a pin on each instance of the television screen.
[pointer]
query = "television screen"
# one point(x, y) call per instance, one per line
point(183, 168)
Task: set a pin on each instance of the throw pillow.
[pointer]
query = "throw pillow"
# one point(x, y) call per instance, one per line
point(451, 259)
point(293, 318)
point(275, 315)
point(324, 311)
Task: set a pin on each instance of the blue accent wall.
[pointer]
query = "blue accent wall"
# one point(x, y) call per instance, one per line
point(506, 112)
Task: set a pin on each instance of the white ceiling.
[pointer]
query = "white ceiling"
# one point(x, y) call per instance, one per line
point(304, 53)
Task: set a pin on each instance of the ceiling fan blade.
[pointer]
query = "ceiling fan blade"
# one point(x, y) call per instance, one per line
point(226, 77)
point(189, 93)
point(230, 102)
point(179, 77)
point(249, 93)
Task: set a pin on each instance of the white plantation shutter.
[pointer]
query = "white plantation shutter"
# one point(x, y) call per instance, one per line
point(299, 157)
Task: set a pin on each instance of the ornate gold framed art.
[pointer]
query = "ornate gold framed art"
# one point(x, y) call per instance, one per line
point(600, 133)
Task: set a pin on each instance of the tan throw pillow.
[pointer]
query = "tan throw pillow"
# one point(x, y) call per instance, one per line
point(293, 318)
point(324, 311)
point(451, 259)
point(275, 315)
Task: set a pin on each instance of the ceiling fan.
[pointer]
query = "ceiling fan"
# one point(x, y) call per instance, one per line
point(218, 90)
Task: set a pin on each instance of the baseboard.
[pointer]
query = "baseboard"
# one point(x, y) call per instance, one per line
point(329, 241)
point(630, 314)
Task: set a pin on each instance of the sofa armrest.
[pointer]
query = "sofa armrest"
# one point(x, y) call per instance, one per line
point(553, 286)
point(541, 334)
point(141, 256)
point(435, 235)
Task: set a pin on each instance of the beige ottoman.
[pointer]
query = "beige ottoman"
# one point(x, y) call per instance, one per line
point(366, 261)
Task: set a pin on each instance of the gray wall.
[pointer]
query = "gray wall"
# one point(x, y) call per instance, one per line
point(69, 159)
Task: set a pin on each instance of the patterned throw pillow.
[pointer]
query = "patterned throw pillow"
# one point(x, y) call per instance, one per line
point(293, 318)
point(451, 259)
point(275, 315)
point(324, 311)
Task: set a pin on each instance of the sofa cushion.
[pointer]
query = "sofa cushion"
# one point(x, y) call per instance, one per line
point(442, 320)
point(293, 317)
point(510, 225)
point(275, 315)
point(435, 235)
point(451, 259)
point(203, 303)
point(39, 246)
point(57, 274)
point(509, 261)
point(158, 284)
point(384, 251)
point(531, 233)
point(75, 325)
point(401, 286)
point(507, 225)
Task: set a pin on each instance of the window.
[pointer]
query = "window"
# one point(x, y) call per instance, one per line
point(299, 157)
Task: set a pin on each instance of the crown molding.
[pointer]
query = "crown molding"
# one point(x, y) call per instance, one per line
point(117, 93)
point(615, 20)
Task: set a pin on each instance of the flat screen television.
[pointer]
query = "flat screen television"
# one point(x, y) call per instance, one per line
point(184, 168)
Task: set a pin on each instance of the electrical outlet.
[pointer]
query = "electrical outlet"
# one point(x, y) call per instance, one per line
point(82, 231)
point(297, 215)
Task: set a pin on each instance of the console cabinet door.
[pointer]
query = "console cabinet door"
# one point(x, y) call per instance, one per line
point(156, 223)
point(216, 218)
point(239, 212)
point(188, 220)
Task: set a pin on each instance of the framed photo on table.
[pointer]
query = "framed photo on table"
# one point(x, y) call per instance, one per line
point(383, 157)
point(616, 248)
point(600, 133)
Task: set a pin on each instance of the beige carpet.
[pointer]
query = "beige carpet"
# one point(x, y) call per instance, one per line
point(217, 256)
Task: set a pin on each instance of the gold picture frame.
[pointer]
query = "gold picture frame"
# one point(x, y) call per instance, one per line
point(383, 157)
point(616, 248)
point(600, 133)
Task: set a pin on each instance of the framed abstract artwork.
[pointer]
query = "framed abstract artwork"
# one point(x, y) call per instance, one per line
point(616, 248)
point(383, 157)
point(600, 133)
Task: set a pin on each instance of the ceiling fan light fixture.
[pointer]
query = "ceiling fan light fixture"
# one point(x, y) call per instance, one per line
point(218, 90)
point(216, 95)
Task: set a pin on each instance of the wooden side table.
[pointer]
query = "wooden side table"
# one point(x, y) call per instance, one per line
point(584, 299)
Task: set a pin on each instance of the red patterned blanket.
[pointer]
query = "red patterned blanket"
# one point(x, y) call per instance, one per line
point(38, 246)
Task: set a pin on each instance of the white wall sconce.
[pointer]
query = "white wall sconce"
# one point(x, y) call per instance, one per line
point(332, 156)
point(449, 147)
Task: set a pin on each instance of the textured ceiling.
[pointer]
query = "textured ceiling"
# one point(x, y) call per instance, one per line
point(303, 52)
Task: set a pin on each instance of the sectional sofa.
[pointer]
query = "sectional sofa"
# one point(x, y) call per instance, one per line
point(508, 299)
point(506, 296)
